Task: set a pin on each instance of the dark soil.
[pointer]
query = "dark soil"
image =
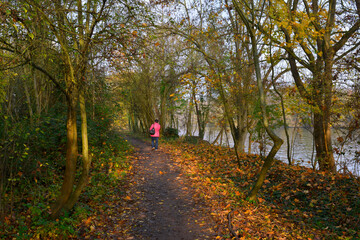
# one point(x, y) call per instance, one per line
point(160, 203)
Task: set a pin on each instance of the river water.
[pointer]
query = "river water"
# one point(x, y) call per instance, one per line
point(302, 148)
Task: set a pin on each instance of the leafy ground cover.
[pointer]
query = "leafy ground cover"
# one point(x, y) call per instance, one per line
point(295, 202)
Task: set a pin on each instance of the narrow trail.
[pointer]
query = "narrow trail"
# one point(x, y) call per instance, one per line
point(161, 205)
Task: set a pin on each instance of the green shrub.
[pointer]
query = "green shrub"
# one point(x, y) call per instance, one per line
point(171, 132)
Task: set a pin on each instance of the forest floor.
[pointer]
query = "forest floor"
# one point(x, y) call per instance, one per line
point(198, 191)
point(158, 203)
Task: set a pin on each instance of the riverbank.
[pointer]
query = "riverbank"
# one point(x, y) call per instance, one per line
point(302, 148)
point(294, 203)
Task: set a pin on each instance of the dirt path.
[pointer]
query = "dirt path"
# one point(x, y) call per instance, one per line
point(161, 202)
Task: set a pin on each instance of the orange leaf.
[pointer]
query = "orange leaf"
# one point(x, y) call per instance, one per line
point(87, 221)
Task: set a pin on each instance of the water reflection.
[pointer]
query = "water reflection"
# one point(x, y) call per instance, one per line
point(303, 151)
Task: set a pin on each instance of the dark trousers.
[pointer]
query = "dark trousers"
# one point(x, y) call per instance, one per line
point(154, 142)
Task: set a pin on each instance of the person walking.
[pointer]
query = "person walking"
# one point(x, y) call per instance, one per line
point(156, 135)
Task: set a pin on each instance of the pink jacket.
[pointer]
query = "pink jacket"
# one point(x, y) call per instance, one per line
point(157, 129)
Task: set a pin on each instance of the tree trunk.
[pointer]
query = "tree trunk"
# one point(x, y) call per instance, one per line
point(86, 159)
point(189, 122)
point(163, 113)
point(230, 120)
point(241, 139)
point(71, 156)
point(323, 145)
point(218, 136)
point(322, 92)
point(28, 100)
point(198, 117)
point(249, 146)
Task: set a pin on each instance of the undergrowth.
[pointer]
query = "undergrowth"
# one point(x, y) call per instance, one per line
point(37, 177)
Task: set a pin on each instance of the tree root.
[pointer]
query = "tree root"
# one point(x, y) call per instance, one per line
point(230, 226)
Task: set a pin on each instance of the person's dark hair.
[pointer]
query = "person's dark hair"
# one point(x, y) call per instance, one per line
point(156, 120)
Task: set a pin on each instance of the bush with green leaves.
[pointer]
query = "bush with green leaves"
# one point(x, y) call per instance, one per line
point(170, 132)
